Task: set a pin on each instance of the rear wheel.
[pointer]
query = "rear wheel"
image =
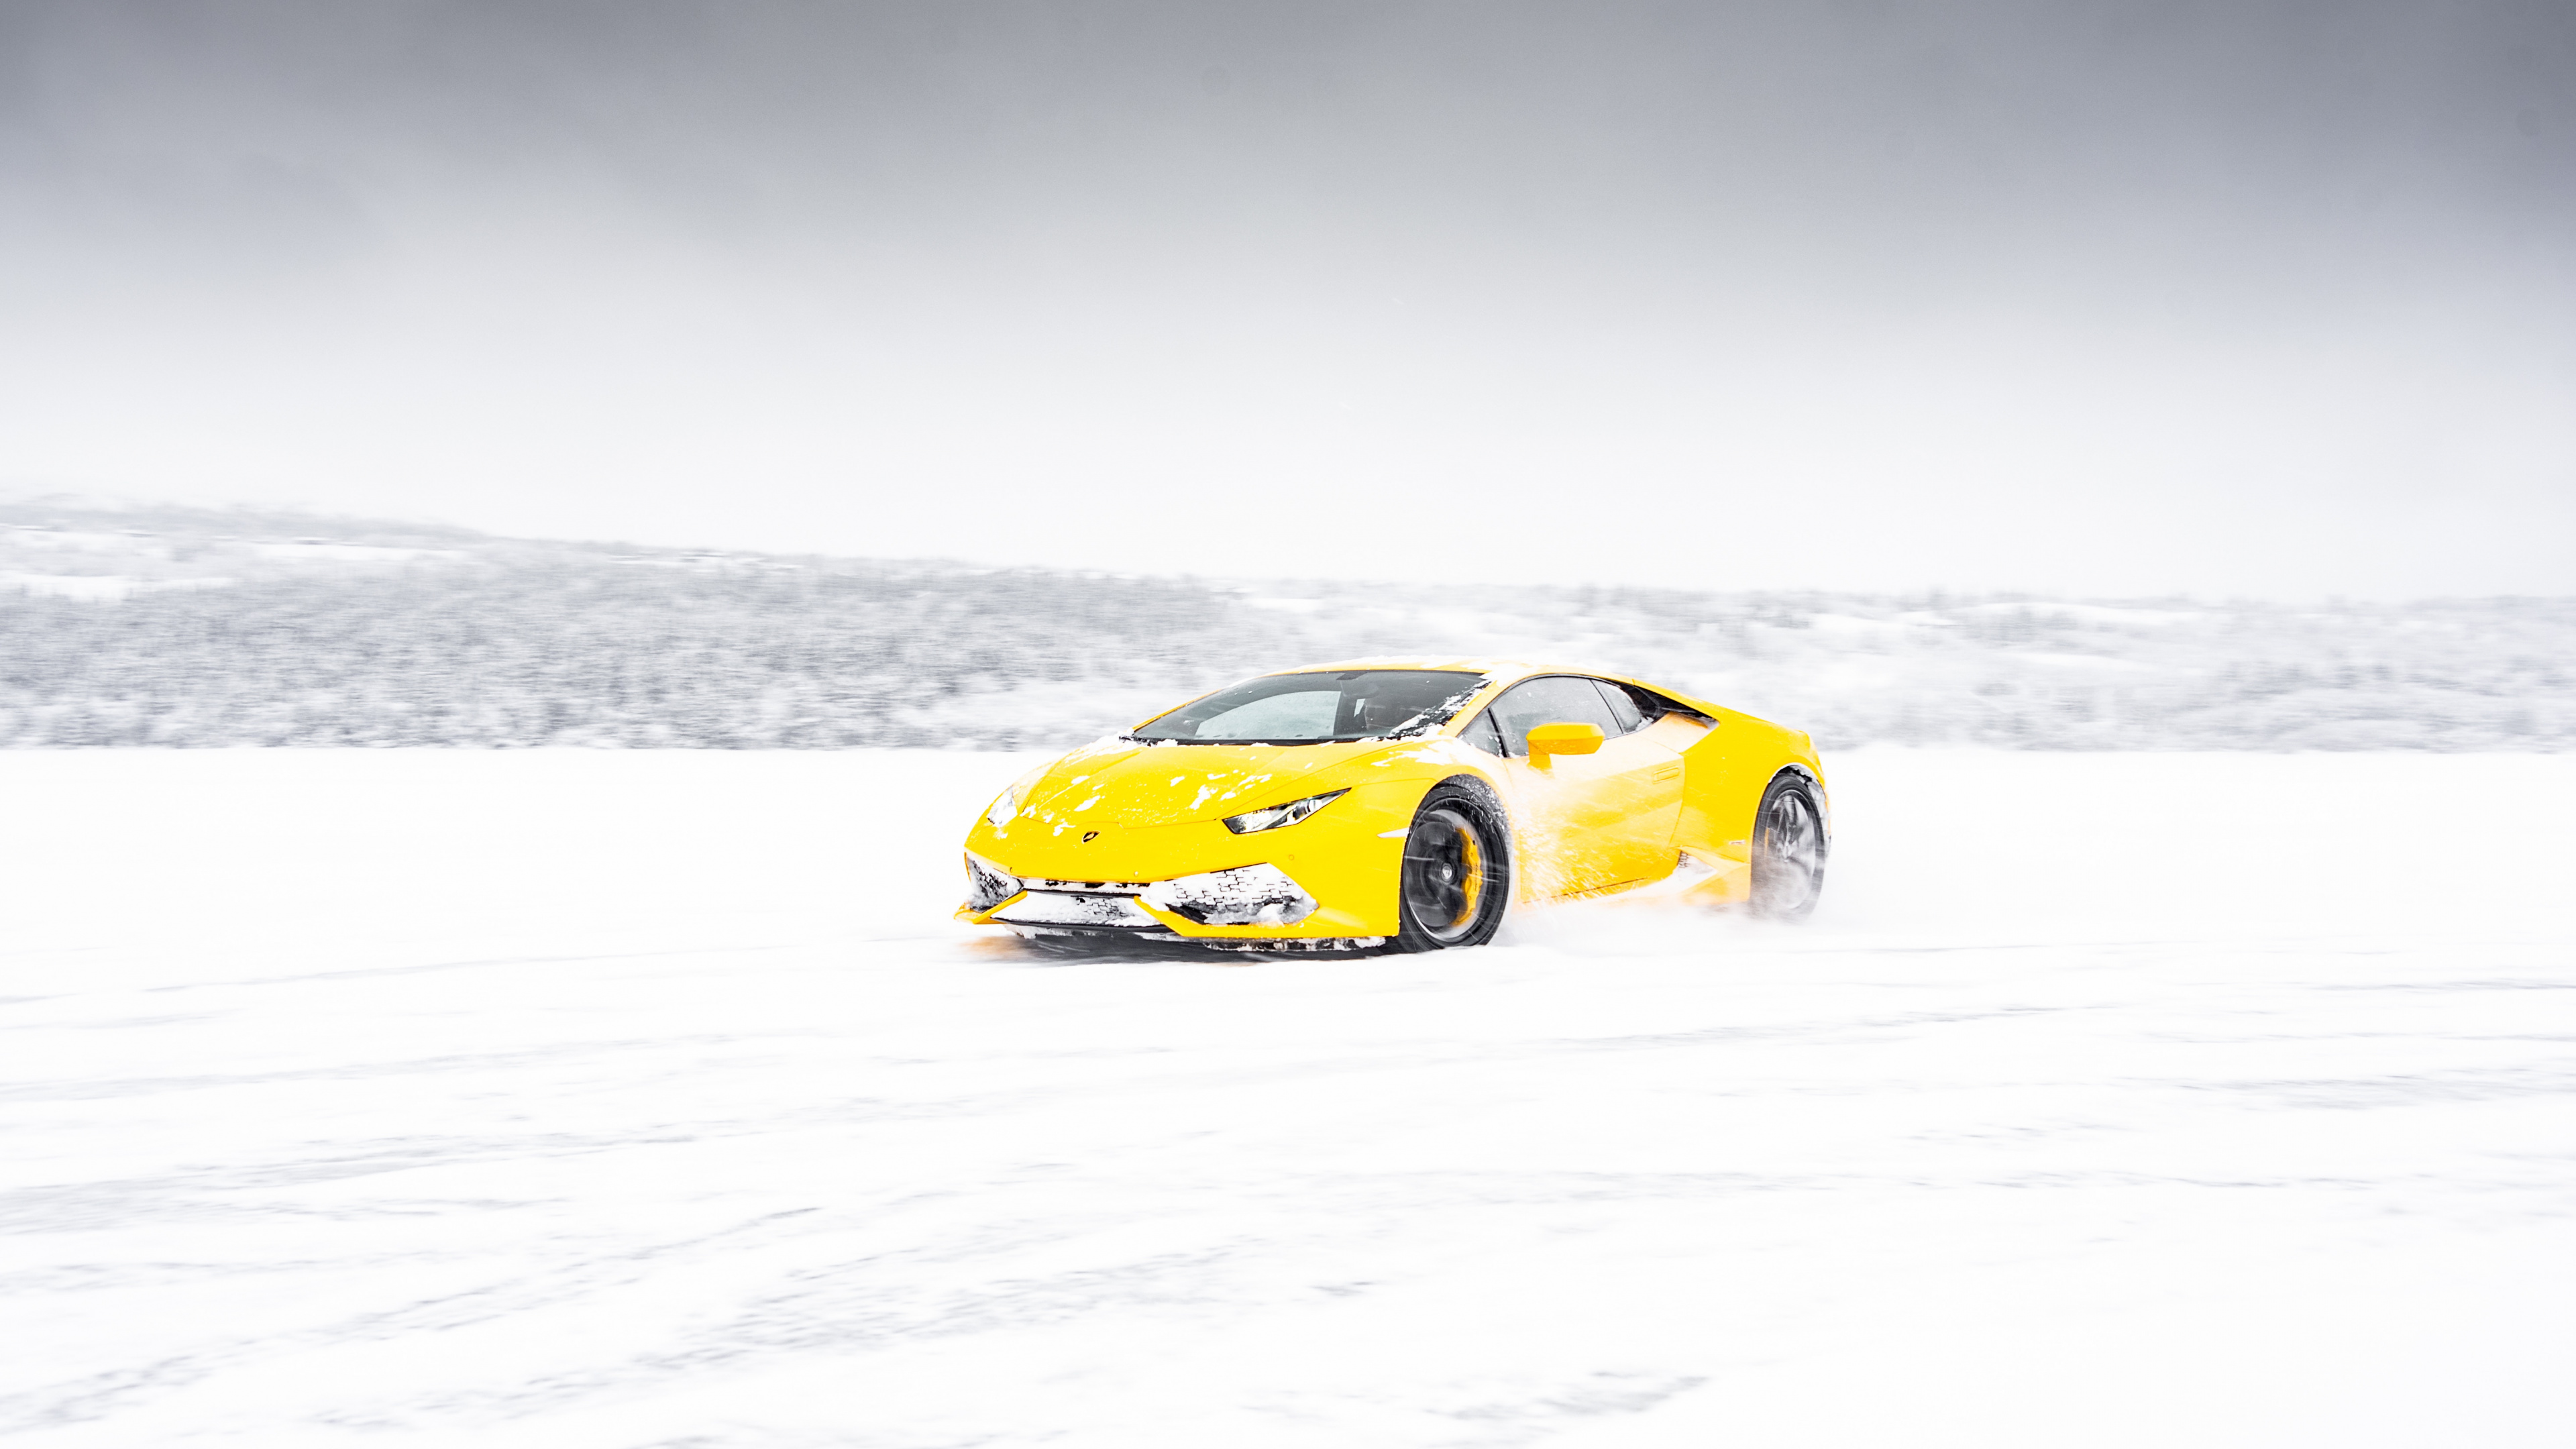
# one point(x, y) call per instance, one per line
point(1788, 849)
point(1457, 870)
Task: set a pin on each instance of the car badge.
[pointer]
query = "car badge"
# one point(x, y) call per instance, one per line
point(1089, 836)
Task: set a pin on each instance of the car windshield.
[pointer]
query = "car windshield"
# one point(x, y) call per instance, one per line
point(1304, 709)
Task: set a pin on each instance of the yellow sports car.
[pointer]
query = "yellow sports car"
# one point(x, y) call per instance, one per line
point(1400, 804)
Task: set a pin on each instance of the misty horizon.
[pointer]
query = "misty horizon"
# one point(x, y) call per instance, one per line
point(2117, 300)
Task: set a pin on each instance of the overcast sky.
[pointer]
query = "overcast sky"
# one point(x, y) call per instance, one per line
point(2230, 298)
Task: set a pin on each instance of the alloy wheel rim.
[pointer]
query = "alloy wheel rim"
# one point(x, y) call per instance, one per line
point(1794, 839)
point(1444, 874)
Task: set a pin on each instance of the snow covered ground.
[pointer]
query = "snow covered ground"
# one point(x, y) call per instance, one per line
point(585, 1098)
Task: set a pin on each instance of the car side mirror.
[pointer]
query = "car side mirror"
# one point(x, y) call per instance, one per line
point(1562, 739)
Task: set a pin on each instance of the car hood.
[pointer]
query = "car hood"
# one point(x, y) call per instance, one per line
point(1125, 783)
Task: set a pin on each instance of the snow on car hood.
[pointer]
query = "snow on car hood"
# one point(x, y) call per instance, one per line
point(1128, 783)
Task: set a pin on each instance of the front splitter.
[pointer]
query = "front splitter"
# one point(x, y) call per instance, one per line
point(1075, 938)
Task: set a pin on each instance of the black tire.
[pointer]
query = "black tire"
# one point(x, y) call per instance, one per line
point(1457, 873)
point(1789, 848)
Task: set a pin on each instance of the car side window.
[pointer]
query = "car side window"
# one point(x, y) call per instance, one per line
point(1622, 708)
point(1484, 734)
point(1550, 699)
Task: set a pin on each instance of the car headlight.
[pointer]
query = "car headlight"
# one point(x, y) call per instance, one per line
point(1251, 895)
point(987, 884)
point(1004, 807)
point(1278, 815)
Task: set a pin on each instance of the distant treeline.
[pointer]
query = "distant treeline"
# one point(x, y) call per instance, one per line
point(225, 637)
point(567, 654)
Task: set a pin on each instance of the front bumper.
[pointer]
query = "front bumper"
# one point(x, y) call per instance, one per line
point(1111, 880)
point(1129, 909)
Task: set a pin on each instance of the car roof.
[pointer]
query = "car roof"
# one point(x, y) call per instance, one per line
point(1501, 671)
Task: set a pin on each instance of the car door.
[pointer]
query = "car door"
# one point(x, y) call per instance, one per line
point(1590, 822)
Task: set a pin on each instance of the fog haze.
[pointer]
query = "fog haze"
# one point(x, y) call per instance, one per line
point(2275, 300)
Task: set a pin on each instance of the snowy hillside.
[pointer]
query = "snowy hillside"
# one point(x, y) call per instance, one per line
point(178, 627)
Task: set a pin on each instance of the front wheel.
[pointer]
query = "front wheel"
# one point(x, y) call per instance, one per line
point(1457, 870)
point(1788, 849)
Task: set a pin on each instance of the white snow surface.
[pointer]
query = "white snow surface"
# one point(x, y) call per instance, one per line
point(566, 1098)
